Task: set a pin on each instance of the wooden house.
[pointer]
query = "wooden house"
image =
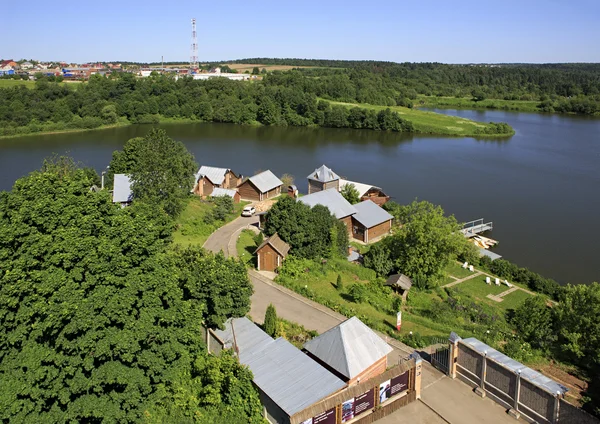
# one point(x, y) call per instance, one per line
point(229, 192)
point(323, 178)
point(335, 202)
point(208, 178)
point(367, 192)
point(259, 187)
point(370, 222)
point(271, 253)
point(351, 351)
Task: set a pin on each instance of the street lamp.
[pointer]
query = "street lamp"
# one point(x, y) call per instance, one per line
point(104, 172)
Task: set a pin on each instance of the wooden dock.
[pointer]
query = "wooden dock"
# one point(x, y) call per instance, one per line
point(473, 228)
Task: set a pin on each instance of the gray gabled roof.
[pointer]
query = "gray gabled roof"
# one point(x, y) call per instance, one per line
point(332, 199)
point(285, 374)
point(217, 192)
point(215, 175)
point(276, 243)
point(349, 348)
point(265, 181)
point(122, 189)
point(370, 215)
point(324, 175)
point(399, 280)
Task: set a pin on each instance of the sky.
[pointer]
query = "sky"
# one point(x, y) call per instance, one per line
point(459, 31)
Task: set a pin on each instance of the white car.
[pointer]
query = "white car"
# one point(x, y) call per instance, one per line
point(248, 211)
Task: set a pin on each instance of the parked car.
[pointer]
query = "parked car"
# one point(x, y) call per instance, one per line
point(248, 211)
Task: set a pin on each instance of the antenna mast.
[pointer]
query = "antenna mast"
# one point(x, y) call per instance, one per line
point(194, 56)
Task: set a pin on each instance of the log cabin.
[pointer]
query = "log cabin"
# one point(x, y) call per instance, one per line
point(208, 178)
point(370, 222)
point(260, 187)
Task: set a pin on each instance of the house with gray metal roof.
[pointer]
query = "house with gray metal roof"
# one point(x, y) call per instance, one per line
point(261, 186)
point(227, 192)
point(370, 222)
point(323, 178)
point(366, 191)
point(351, 350)
point(333, 200)
point(287, 379)
point(209, 177)
point(122, 189)
point(271, 253)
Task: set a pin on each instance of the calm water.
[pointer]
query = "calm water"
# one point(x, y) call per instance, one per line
point(540, 187)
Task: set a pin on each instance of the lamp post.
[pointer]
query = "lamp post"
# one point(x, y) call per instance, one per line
point(103, 173)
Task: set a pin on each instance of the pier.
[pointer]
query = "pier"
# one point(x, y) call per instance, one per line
point(473, 228)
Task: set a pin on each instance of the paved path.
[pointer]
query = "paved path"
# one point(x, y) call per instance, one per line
point(219, 240)
point(458, 281)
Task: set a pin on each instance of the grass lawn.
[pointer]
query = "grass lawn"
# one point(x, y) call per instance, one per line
point(469, 103)
point(246, 247)
point(430, 122)
point(477, 288)
point(5, 83)
point(456, 270)
point(513, 300)
point(191, 228)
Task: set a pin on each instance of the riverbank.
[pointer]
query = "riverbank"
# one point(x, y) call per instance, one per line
point(438, 124)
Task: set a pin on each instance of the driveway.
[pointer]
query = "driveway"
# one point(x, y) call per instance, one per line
point(219, 240)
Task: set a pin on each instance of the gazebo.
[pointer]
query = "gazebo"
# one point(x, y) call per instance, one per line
point(399, 282)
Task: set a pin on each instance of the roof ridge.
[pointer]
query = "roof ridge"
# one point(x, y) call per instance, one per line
point(348, 373)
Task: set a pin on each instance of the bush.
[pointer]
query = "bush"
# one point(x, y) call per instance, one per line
point(258, 239)
point(357, 293)
point(270, 323)
point(338, 284)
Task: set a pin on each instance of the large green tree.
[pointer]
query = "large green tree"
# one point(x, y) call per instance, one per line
point(161, 169)
point(350, 193)
point(533, 321)
point(96, 323)
point(427, 241)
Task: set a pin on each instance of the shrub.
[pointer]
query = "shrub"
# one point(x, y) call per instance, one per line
point(258, 239)
point(338, 284)
point(357, 293)
point(270, 323)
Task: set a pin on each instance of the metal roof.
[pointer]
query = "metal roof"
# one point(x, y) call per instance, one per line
point(362, 188)
point(223, 192)
point(265, 181)
point(350, 347)
point(122, 189)
point(285, 374)
point(492, 255)
point(527, 373)
point(399, 280)
point(369, 214)
point(331, 198)
point(324, 175)
point(215, 175)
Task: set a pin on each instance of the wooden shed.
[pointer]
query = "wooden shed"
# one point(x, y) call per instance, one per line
point(399, 282)
point(271, 253)
point(370, 222)
point(208, 178)
point(323, 178)
point(259, 187)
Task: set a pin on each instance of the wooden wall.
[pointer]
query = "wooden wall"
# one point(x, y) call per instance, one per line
point(348, 223)
point(248, 191)
point(379, 230)
point(377, 368)
point(267, 258)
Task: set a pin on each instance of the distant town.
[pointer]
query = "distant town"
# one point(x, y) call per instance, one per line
point(31, 69)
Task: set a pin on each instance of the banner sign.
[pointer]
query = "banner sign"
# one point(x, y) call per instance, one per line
point(327, 417)
point(398, 320)
point(399, 384)
point(385, 391)
point(348, 410)
point(364, 402)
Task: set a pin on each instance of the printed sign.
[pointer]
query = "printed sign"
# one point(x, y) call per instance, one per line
point(327, 417)
point(385, 391)
point(399, 384)
point(399, 320)
point(364, 402)
point(348, 410)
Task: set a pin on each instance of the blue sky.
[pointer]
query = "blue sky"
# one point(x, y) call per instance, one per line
point(415, 31)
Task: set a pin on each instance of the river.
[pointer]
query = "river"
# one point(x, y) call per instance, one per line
point(539, 187)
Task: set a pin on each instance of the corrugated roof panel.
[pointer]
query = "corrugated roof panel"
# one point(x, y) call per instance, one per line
point(122, 189)
point(265, 181)
point(370, 215)
point(350, 347)
point(324, 175)
point(332, 199)
point(215, 175)
point(217, 192)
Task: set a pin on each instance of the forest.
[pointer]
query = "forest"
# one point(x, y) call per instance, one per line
point(101, 314)
point(281, 98)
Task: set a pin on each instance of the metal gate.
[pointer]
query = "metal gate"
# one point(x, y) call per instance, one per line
point(440, 355)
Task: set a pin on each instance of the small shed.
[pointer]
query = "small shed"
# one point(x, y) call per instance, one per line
point(370, 222)
point(260, 187)
point(218, 192)
point(399, 282)
point(271, 253)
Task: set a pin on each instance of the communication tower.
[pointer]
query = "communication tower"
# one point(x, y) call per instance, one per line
point(194, 55)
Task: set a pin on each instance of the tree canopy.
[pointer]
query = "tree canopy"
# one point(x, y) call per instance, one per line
point(98, 322)
point(161, 169)
point(350, 193)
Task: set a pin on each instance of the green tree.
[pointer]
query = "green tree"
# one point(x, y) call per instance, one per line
point(427, 241)
point(109, 114)
point(339, 285)
point(258, 239)
point(533, 321)
point(478, 95)
point(161, 170)
point(255, 70)
point(350, 193)
point(578, 319)
point(270, 324)
point(378, 259)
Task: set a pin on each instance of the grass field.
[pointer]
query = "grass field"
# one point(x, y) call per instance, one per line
point(469, 103)
point(191, 229)
point(4, 83)
point(242, 67)
point(513, 300)
point(477, 288)
point(432, 123)
point(245, 247)
point(455, 270)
